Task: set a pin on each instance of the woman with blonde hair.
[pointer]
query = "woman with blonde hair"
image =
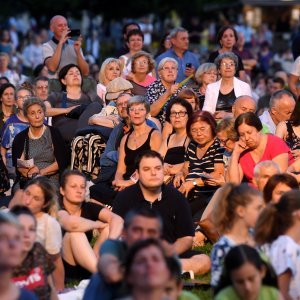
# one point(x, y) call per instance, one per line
point(206, 73)
point(110, 69)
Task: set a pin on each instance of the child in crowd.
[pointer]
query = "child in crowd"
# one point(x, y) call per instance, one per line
point(247, 277)
point(279, 228)
point(235, 213)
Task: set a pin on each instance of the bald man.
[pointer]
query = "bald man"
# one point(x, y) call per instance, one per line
point(61, 50)
point(282, 104)
point(242, 105)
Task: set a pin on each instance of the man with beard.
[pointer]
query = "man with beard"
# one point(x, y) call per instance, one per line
point(150, 192)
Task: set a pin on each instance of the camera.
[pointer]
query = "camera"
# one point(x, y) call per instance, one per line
point(188, 65)
point(74, 33)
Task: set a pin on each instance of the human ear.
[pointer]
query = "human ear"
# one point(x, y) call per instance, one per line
point(240, 211)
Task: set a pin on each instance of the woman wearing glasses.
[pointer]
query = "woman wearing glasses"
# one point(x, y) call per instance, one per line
point(220, 96)
point(227, 38)
point(203, 160)
point(142, 67)
point(173, 147)
point(141, 137)
point(163, 90)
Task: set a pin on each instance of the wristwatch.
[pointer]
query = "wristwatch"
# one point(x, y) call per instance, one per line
point(194, 182)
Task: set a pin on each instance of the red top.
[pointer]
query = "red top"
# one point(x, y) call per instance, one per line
point(275, 146)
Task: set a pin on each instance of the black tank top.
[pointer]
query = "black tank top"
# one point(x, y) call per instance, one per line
point(225, 102)
point(130, 154)
point(175, 155)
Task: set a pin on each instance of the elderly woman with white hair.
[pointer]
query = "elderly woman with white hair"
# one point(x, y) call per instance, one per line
point(164, 89)
point(206, 73)
point(221, 95)
point(110, 69)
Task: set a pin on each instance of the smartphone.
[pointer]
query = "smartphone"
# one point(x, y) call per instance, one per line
point(188, 65)
point(74, 33)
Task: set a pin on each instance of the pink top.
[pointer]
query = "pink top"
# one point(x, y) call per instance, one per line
point(148, 80)
point(275, 146)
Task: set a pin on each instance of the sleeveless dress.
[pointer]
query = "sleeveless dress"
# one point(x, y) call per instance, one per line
point(175, 155)
point(130, 154)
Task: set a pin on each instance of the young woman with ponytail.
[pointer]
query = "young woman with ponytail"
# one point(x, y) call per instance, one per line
point(278, 227)
point(235, 212)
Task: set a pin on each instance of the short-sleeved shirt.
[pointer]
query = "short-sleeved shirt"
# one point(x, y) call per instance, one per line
point(33, 273)
point(213, 155)
point(68, 55)
point(218, 253)
point(154, 91)
point(49, 233)
point(90, 211)
point(296, 67)
point(266, 292)
point(274, 147)
point(289, 252)
point(173, 208)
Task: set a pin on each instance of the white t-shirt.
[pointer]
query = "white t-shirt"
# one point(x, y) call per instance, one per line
point(266, 120)
point(49, 234)
point(296, 67)
point(285, 255)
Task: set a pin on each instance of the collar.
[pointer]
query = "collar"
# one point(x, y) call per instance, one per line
point(159, 198)
point(55, 41)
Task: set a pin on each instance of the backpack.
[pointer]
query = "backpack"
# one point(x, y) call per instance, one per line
point(86, 153)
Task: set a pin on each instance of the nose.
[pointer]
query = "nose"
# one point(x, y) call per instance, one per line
point(153, 171)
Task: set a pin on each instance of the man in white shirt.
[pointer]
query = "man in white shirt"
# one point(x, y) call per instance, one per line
point(282, 104)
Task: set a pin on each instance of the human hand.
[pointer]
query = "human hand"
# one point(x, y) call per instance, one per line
point(178, 179)
point(167, 169)
point(174, 88)
point(189, 71)
point(121, 184)
point(186, 187)
point(64, 36)
point(33, 170)
point(239, 147)
point(77, 44)
point(215, 181)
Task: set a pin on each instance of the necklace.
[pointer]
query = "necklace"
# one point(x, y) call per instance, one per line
point(36, 137)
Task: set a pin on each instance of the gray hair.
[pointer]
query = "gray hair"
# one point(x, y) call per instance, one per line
point(165, 60)
point(204, 68)
point(266, 164)
point(278, 95)
point(175, 31)
point(32, 101)
point(138, 100)
point(229, 55)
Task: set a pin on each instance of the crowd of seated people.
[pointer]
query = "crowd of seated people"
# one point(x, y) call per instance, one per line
point(185, 148)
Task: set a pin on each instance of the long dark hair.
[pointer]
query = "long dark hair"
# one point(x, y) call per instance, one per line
point(276, 219)
point(236, 258)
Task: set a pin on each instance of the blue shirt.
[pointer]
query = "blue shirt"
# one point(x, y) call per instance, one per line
point(188, 57)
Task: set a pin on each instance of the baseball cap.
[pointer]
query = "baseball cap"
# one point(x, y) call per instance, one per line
point(116, 87)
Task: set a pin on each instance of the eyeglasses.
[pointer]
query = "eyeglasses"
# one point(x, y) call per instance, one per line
point(22, 97)
point(142, 62)
point(211, 73)
point(172, 69)
point(178, 113)
point(223, 142)
point(199, 130)
point(135, 109)
point(227, 65)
